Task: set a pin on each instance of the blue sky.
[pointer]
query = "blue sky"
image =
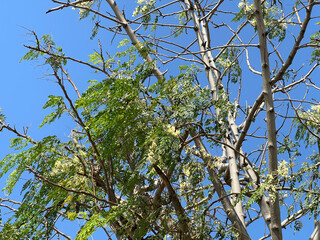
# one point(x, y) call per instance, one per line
point(25, 86)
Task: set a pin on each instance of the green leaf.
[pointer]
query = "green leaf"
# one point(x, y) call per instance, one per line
point(31, 55)
point(56, 102)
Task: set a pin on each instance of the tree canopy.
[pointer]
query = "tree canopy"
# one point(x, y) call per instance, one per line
point(202, 122)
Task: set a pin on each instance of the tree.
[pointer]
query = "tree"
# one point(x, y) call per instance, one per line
point(177, 138)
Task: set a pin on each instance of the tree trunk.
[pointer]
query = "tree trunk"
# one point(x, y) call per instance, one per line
point(316, 235)
point(275, 227)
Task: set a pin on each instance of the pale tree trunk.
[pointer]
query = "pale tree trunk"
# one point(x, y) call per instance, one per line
point(316, 235)
point(229, 209)
point(213, 78)
point(275, 228)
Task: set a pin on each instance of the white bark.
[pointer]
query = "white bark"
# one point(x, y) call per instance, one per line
point(232, 214)
point(316, 233)
point(213, 78)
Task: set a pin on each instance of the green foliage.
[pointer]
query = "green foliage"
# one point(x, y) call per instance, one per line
point(310, 120)
point(144, 7)
point(272, 14)
point(95, 58)
point(289, 146)
point(315, 38)
point(2, 116)
point(43, 157)
point(31, 55)
point(18, 143)
point(127, 119)
point(229, 65)
point(95, 222)
point(182, 20)
point(275, 28)
point(47, 48)
point(298, 225)
point(123, 121)
point(54, 102)
point(246, 11)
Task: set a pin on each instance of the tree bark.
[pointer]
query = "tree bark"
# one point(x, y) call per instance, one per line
point(135, 41)
point(229, 209)
point(213, 78)
point(275, 227)
point(316, 235)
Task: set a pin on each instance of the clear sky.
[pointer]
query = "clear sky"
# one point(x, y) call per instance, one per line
point(24, 86)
